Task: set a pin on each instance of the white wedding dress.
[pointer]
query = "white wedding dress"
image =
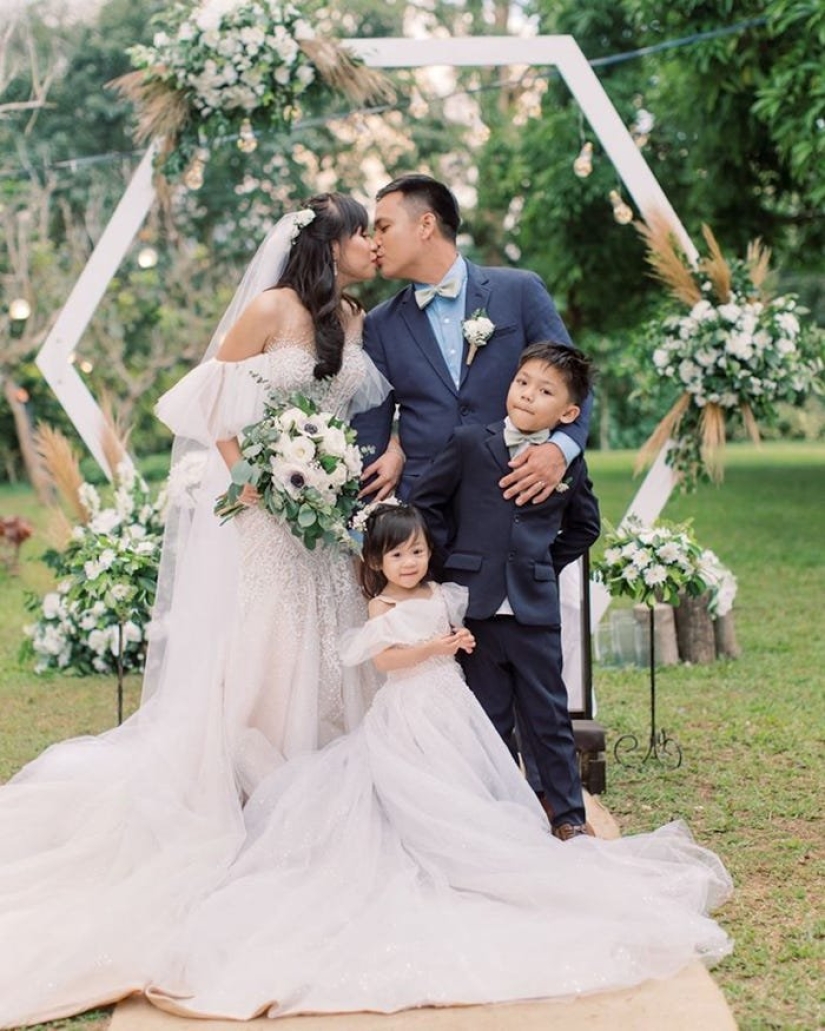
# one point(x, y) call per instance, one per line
point(106, 842)
point(409, 864)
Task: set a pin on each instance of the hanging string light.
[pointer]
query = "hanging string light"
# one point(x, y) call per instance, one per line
point(19, 309)
point(193, 176)
point(247, 140)
point(583, 165)
point(147, 257)
point(622, 212)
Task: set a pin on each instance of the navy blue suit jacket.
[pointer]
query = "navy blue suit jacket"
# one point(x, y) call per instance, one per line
point(494, 547)
point(399, 339)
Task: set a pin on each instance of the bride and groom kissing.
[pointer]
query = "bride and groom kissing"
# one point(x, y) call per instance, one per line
point(270, 833)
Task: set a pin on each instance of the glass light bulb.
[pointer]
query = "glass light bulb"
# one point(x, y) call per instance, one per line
point(247, 141)
point(147, 257)
point(583, 165)
point(622, 212)
point(19, 309)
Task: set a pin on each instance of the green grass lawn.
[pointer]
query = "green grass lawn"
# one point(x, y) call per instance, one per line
point(751, 730)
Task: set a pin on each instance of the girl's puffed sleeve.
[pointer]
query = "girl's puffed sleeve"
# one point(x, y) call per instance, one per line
point(216, 400)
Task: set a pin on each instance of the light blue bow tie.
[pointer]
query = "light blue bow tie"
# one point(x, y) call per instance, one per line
point(514, 437)
point(449, 288)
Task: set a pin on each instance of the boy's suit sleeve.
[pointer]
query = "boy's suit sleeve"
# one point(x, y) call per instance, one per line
point(581, 524)
point(433, 494)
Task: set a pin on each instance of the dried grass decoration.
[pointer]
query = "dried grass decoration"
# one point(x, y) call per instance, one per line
point(736, 348)
point(231, 68)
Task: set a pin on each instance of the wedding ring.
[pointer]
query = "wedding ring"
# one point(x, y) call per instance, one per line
point(540, 484)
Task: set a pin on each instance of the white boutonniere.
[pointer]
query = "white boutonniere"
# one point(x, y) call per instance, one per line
point(564, 485)
point(477, 331)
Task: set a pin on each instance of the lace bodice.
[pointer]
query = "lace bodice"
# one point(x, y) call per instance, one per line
point(289, 368)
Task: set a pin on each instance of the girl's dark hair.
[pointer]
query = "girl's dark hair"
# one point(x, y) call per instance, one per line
point(387, 527)
point(310, 272)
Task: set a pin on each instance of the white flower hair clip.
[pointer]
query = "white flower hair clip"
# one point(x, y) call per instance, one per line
point(359, 520)
point(300, 219)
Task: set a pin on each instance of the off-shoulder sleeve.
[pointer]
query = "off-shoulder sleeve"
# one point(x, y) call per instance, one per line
point(409, 623)
point(374, 388)
point(216, 400)
point(456, 598)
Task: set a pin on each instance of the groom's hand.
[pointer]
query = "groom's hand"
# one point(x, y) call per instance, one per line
point(536, 474)
point(382, 477)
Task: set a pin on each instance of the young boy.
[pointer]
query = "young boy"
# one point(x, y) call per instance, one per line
point(509, 558)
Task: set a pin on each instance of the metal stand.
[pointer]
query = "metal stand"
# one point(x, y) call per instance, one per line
point(665, 750)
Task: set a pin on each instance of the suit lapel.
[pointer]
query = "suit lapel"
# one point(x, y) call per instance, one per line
point(418, 325)
point(496, 446)
point(478, 296)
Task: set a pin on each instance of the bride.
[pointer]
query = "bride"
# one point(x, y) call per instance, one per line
point(106, 841)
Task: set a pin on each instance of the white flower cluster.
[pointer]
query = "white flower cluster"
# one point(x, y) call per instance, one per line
point(301, 218)
point(232, 56)
point(306, 466)
point(358, 523)
point(651, 564)
point(478, 329)
point(720, 582)
point(107, 576)
point(743, 352)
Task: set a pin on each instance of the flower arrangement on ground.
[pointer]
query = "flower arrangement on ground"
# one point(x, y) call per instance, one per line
point(95, 619)
point(721, 584)
point(229, 67)
point(306, 467)
point(651, 563)
point(735, 349)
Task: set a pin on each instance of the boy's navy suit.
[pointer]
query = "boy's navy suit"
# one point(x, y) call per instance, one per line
point(502, 551)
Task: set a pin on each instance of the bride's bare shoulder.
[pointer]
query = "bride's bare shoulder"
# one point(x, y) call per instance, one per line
point(271, 314)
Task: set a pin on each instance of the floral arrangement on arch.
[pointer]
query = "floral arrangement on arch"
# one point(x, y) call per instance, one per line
point(305, 465)
point(735, 348)
point(107, 573)
point(225, 68)
point(651, 563)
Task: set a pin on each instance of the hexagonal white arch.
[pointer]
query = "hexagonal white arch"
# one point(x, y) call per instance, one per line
point(561, 52)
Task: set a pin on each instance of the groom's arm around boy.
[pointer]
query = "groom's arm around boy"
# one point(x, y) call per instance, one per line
point(510, 556)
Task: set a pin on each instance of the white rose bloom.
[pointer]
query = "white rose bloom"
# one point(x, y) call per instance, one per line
point(107, 558)
point(702, 310)
point(630, 550)
point(654, 575)
point(334, 441)
point(132, 634)
point(298, 449)
point(785, 346)
point(98, 609)
point(729, 312)
point(661, 357)
point(121, 591)
point(100, 665)
point(788, 323)
point(669, 552)
point(87, 621)
point(339, 476)
point(705, 358)
point(92, 570)
point(105, 521)
point(98, 641)
point(305, 75)
point(186, 31)
point(740, 346)
point(282, 75)
point(146, 547)
point(51, 605)
point(688, 371)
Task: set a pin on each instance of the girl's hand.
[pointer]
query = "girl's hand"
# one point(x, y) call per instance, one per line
point(249, 496)
point(468, 642)
point(450, 643)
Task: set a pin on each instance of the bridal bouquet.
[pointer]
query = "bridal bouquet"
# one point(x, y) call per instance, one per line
point(650, 564)
point(306, 467)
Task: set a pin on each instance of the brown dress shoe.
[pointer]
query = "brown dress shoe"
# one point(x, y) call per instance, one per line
point(566, 831)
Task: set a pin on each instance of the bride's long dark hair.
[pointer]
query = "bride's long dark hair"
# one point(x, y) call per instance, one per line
point(310, 272)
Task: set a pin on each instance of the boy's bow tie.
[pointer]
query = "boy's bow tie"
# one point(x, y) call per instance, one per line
point(449, 288)
point(514, 437)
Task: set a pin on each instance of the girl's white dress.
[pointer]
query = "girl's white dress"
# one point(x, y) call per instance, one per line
point(409, 864)
point(105, 842)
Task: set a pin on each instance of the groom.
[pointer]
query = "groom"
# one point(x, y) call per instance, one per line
point(418, 340)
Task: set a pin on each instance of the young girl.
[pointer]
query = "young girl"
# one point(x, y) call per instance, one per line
point(409, 864)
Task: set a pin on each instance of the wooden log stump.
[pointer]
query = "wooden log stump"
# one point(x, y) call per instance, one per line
point(724, 632)
point(665, 649)
point(694, 629)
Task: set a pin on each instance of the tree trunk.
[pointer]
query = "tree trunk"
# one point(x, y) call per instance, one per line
point(727, 647)
point(694, 629)
point(665, 650)
point(34, 466)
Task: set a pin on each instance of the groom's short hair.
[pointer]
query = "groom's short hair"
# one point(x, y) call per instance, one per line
point(430, 195)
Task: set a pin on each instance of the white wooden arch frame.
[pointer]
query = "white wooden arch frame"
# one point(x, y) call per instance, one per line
point(560, 52)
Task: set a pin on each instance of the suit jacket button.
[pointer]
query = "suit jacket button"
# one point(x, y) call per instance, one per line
point(464, 410)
